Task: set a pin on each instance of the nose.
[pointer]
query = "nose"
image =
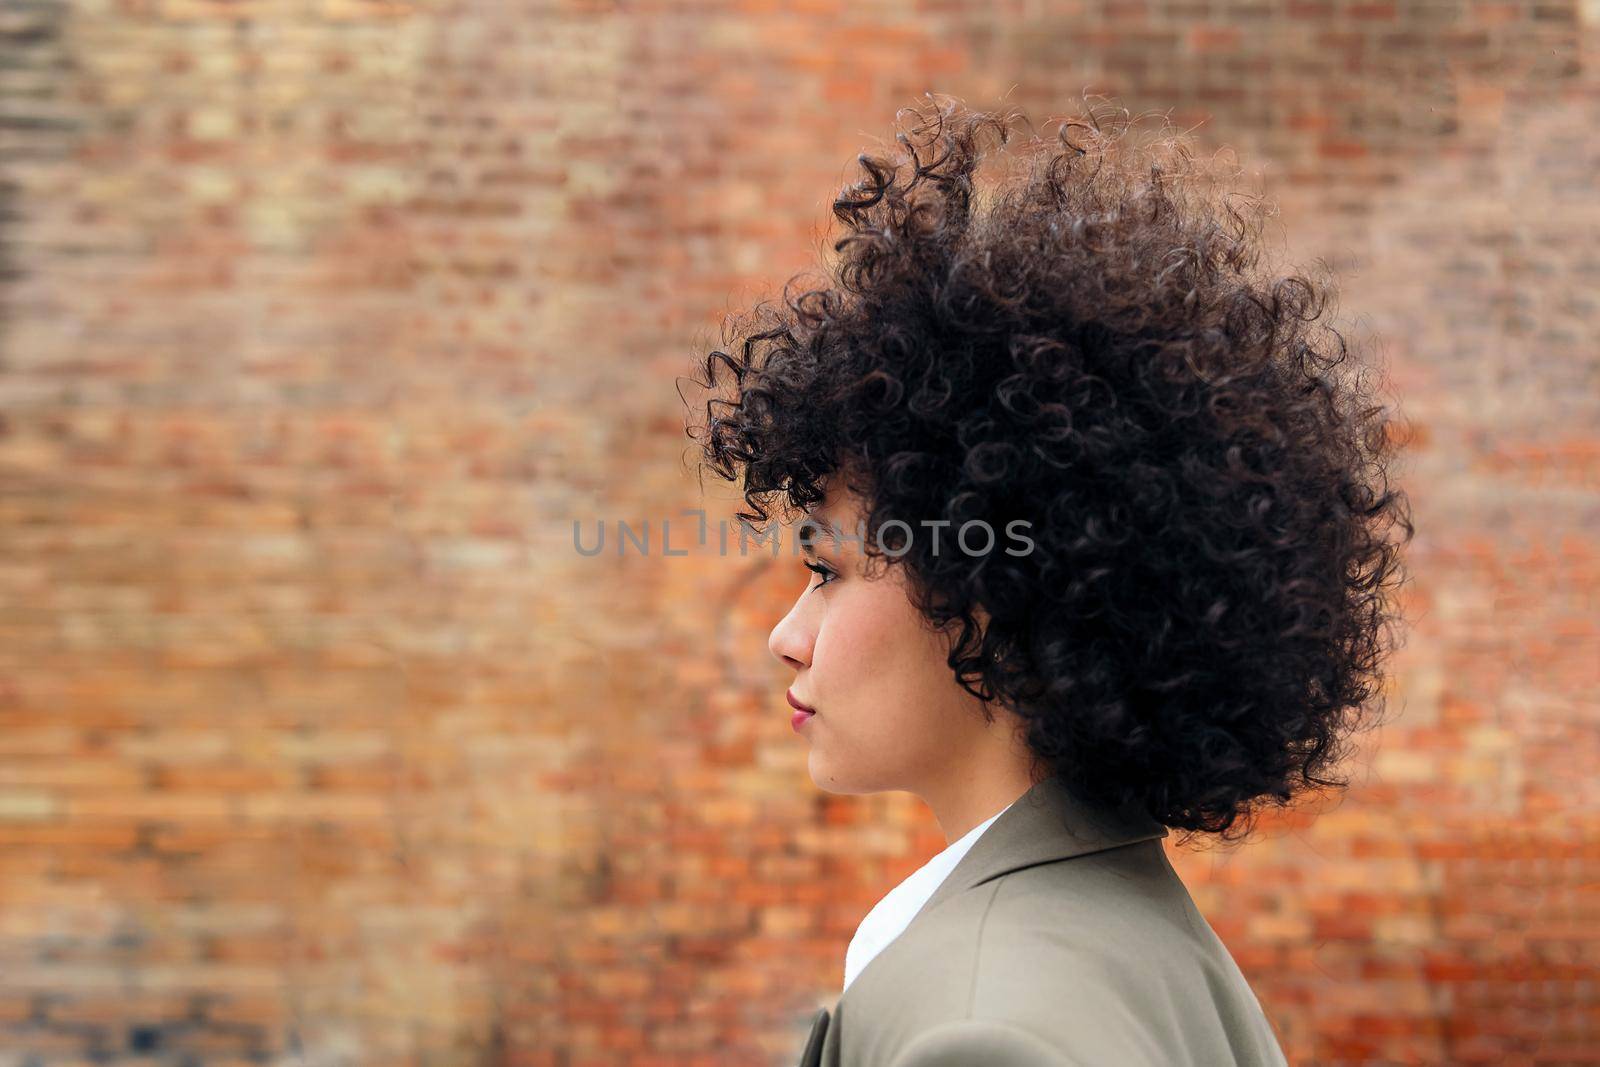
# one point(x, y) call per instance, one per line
point(791, 640)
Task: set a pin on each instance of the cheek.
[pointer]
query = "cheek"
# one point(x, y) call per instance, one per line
point(876, 667)
point(860, 641)
point(843, 651)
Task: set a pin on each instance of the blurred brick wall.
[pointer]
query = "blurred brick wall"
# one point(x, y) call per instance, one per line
point(319, 743)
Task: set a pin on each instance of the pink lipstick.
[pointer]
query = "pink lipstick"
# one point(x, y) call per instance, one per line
point(802, 714)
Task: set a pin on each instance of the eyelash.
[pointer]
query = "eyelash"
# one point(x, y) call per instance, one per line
point(817, 569)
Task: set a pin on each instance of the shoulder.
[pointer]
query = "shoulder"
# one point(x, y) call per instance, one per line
point(1101, 955)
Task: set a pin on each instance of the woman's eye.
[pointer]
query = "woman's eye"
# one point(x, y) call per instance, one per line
point(818, 569)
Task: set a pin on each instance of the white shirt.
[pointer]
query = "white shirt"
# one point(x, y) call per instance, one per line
point(890, 916)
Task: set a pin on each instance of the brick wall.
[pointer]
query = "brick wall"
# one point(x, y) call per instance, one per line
point(319, 743)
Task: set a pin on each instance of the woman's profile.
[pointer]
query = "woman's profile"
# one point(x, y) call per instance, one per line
point(1101, 546)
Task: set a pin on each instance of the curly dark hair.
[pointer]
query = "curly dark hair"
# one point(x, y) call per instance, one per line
point(1199, 627)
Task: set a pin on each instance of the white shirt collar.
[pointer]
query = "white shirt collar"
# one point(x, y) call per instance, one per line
point(890, 916)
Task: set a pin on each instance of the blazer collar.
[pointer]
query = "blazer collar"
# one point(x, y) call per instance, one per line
point(1046, 824)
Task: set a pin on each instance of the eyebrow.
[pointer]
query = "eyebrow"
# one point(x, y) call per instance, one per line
point(808, 532)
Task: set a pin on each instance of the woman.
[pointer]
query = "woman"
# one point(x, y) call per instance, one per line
point(1100, 542)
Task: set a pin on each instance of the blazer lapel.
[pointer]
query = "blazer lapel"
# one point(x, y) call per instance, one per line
point(811, 1056)
point(1046, 824)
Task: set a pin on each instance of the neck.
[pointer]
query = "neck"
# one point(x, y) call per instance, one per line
point(973, 794)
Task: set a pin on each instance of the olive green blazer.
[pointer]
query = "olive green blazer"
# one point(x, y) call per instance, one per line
point(1064, 938)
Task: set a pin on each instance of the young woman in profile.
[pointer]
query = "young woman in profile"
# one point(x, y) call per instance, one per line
point(1100, 542)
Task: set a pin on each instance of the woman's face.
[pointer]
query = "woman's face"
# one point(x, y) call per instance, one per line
point(889, 712)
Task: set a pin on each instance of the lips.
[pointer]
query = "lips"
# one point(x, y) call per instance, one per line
point(802, 713)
